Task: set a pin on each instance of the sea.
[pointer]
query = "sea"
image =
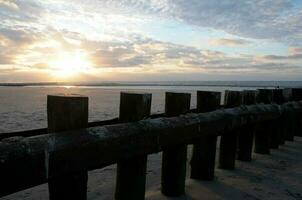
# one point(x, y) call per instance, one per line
point(23, 106)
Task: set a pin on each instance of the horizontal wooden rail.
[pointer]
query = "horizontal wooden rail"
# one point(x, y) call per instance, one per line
point(27, 162)
point(42, 131)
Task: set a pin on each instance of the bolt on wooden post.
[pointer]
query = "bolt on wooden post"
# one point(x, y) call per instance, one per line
point(228, 140)
point(174, 158)
point(204, 151)
point(246, 135)
point(131, 173)
point(263, 129)
point(67, 112)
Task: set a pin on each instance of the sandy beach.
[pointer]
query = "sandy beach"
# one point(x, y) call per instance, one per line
point(276, 176)
point(268, 177)
point(84, 54)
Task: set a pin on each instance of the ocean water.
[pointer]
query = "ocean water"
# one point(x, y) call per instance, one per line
point(23, 108)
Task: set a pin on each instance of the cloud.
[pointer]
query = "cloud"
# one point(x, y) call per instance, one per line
point(30, 50)
point(278, 20)
point(291, 57)
point(229, 42)
point(17, 36)
point(16, 12)
point(34, 32)
point(117, 57)
point(5, 59)
point(9, 4)
point(15, 43)
point(137, 53)
point(260, 19)
point(294, 50)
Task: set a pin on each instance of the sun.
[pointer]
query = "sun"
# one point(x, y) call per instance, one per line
point(67, 65)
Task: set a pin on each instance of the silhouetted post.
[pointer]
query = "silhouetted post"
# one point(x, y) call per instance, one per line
point(131, 173)
point(279, 123)
point(67, 112)
point(297, 96)
point(174, 158)
point(263, 129)
point(204, 151)
point(228, 141)
point(287, 94)
point(275, 132)
point(246, 135)
point(288, 129)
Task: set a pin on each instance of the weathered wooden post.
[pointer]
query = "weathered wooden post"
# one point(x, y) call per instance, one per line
point(246, 135)
point(263, 130)
point(274, 129)
point(131, 173)
point(287, 94)
point(279, 123)
point(278, 97)
point(204, 151)
point(228, 141)
point(288, 116)
point(297, 96)
point(174, 158)
point(67, 112)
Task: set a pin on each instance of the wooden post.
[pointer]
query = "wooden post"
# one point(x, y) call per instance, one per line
point(228, 141)
point(278, 129)
point(67, 112)
point(287, 94)
point(288, 129)
point(174, 158)
point(131, 173)
point(297, 96)
point(246, 136)
point(262, 132)
point(275, 132)
point(204, 151)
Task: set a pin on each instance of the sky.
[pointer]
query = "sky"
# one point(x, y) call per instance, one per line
point(150, 40)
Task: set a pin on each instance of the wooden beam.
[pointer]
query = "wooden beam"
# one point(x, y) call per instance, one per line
point(228, 141)
point(131, 173)
point(174, 158)
point(204, 151)
point(246, 133)
point(67, 112)
point(263, 130)
point(27, 162)
point(279, 99)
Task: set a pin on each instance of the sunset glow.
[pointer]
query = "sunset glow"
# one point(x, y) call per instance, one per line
point(67, 66)
point(150, 40)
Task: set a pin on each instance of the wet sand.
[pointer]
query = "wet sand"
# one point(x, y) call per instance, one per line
point(24, 108)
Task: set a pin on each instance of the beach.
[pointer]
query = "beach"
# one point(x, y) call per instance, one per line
point(65, 69)
point(268, 177)
point(277, 176)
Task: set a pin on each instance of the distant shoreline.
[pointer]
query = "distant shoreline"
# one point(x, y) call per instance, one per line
point(166, 83)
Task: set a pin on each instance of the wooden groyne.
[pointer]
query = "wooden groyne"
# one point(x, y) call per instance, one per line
point(62, 153)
